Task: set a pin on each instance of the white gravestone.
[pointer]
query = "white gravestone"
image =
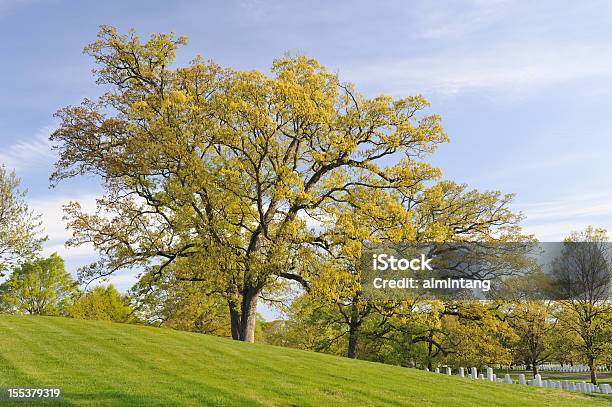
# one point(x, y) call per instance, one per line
point(537, 380)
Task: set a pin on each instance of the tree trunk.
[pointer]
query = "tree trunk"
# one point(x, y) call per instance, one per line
point(593, 371)
point(248, 314)
point(354, 324)
point(527, 362)
point(429, 352)
point(234, 312)
point(352, 345)
point(534, 369)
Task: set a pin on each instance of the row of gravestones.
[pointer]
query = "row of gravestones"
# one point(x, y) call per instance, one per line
point(570, 369)
point(537, 381)
point(564, 369)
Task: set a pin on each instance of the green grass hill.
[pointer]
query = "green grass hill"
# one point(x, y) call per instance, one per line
point(106, 364)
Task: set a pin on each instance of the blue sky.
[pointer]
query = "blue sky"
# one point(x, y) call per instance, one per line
point(524, 88)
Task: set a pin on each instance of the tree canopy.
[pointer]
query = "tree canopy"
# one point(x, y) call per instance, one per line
point(252, 175)
point(41, 287)
point(19, 227)
point(102, 303)
point(586, 259)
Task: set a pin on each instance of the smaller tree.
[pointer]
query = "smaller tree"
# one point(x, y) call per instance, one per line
point(103, 303)
point(534, 325)
point(565, 345)
point(171, 301)
point(311, 323)
point(19, 227)
point(585, 269)
point(40, 287)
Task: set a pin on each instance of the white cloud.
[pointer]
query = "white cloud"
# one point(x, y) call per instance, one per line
point(576, 206)
point(450, 23)
point(83, 253)
point(122, 280)
point(28, 154)
point(75, 257)
point(554, 220)
point(562, 160)
point(513, 67)
point(55, 227)
point(8, 7)
point(555, 231)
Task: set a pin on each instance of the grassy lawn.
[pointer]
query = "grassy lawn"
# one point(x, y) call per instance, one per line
point(105, 364)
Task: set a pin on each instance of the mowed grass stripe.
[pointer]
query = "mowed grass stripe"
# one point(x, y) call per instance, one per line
point(102, 363)
point(99, 345)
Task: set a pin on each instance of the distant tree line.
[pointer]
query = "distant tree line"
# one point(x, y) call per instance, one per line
point(43, 287)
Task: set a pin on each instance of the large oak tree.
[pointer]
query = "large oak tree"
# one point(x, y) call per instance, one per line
point(244, 173)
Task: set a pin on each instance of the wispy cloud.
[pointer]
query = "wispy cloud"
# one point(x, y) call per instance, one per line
point(8, 7)
point(30, 153)
point(554, 220)
point(576, 206)
point(512, 67)
point(75, 257)
point(51, 210)
point(555, 231)
point(123, 281)
point(451, 23)
point(562, 160)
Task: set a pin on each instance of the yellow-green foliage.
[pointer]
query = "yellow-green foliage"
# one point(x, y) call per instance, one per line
point(41, 287)
point(261, 172)
point(103, 303)
point(19, 227)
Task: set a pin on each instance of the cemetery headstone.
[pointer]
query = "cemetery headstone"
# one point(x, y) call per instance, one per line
point(537, 380)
